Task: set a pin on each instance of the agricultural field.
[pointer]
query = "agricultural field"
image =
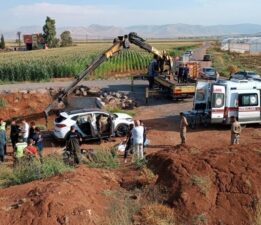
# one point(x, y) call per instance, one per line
point(42, 65)
point(223, 60)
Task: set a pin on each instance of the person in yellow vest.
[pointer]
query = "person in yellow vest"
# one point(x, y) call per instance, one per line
point(3, 128)
point(19, 150)
point(2, 124)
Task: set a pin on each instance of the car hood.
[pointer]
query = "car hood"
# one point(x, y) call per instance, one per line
point(123, 116)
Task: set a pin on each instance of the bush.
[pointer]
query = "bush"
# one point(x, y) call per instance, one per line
point(26, 171)
point(53, 165)
point(2, 103)
point(103, 158)
point(157, 214)
point(204, 183)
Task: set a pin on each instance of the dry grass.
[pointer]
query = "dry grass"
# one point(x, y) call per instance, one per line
point(203, 182)
point(258, 213)
point(157, 214)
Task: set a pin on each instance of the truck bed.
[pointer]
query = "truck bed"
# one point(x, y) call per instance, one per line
point(176, 89)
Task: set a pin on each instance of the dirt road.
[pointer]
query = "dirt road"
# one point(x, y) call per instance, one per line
point(199, 53)
point(113, 84)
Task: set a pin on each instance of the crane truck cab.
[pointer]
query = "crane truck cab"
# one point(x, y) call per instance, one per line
point(220, 100)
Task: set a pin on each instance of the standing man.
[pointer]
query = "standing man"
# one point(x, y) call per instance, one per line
point(183, 127)
point(137, 138)
point(153, 71)
point(235, 130)
point(2, 145)
point(3, 128)
point(14, 133)
point(25, 130)
point(185, 74)
point(38, 141)
point(73, 144)
point(180, 73)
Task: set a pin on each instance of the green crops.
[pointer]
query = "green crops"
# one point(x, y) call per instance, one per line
point(42, 65)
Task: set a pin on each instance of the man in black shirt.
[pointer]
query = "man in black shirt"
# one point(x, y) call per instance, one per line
point(73, 140)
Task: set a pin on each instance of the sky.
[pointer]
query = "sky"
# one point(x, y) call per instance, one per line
point(16, 13)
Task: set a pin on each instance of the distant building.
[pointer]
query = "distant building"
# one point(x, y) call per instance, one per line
point(250, 45)
point(34, 41)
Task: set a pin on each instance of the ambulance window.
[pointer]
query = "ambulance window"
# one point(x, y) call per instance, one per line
point(218, 100)
point(200, 95)
point(248, 100)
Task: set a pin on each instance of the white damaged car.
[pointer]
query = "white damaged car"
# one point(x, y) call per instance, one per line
point(87, 122)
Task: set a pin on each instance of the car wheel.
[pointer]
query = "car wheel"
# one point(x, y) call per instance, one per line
point(122, 130)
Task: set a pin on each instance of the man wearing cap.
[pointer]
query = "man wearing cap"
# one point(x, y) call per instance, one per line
point(73, 144)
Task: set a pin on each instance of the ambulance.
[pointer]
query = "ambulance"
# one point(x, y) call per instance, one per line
point(217, 101)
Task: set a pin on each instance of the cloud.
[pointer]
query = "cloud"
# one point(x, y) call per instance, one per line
point(203, 12)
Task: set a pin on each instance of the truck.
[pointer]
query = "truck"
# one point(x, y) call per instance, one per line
point(215, 102)
point(165, 63)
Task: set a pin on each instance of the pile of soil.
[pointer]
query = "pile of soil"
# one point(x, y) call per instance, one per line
point(23, 104)
point(217, 187)
point(71, 198)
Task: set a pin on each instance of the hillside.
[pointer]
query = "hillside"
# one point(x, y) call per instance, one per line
point(149, 31)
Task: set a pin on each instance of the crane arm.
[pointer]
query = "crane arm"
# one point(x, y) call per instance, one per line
point(164, 60)
point(118, 44)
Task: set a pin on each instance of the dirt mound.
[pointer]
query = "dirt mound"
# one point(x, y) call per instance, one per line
point(71, 198)
point(217, 187)
point(23, 104)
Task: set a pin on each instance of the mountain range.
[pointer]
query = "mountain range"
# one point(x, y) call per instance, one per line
point(148, 31)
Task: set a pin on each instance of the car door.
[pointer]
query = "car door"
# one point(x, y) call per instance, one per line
point(218, 104)
point(83, 124)
point(249, 106)
point(104, 123)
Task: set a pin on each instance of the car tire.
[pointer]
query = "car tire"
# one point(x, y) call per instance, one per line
point(121, 130)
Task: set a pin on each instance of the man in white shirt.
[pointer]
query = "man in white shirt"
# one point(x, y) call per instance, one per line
point(25, 130)
point(137, 137)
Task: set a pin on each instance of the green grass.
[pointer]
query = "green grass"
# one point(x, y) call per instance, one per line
point(223, 60)
point(27, 171)
point(116, 109)
point(103, 158)
point(2, 103)
point(180, 50)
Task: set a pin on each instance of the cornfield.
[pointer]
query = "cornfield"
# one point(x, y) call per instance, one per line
point(41, 65)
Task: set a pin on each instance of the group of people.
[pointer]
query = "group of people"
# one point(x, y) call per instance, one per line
point(26, 140)
point(136, 139)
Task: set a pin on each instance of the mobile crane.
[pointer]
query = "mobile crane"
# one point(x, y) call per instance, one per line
point(165, 63)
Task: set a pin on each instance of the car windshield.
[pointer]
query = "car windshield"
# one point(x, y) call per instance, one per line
point(254, 75)
point(209, 71)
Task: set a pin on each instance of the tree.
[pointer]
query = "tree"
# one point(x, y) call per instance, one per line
point(19, 38)
point(66, 39)
point(232, 69)
point(2, 42)
point(50, 33)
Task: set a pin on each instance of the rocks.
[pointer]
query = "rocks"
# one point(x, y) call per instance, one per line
point(106, 98)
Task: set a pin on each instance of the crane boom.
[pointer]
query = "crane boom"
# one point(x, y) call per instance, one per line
point(118, 44)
